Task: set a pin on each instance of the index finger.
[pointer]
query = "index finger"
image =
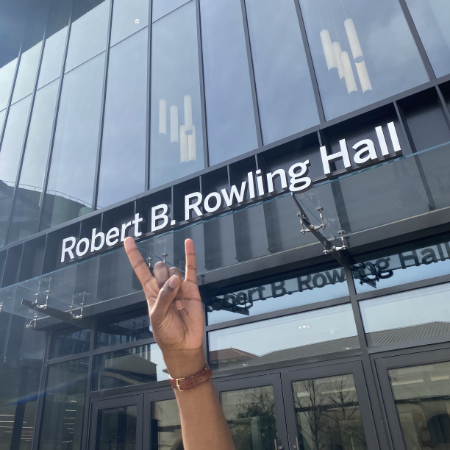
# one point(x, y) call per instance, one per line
point(191, 262)
point(139, 266)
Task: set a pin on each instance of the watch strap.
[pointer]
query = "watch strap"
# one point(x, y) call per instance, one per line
point(184, 384)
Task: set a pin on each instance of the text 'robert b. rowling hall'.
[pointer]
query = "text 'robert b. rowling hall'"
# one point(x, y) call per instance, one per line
point(304, 145)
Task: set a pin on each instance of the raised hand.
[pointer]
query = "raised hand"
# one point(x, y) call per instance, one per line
point(175, 310)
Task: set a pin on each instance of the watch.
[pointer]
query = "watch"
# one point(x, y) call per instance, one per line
point(184, 384)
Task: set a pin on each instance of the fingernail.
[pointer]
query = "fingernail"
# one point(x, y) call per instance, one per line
point(174, 282)
point(179, 304)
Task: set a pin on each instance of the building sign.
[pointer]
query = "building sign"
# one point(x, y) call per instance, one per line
point(295, 180)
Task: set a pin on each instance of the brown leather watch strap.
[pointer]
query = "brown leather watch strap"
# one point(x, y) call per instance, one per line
point(184, 384)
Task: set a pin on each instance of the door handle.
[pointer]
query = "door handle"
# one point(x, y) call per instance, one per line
point(277, 447)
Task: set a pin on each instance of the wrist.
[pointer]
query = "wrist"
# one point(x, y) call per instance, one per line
point(184, 363)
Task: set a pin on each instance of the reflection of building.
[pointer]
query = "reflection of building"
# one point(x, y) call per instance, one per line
point(198, 119)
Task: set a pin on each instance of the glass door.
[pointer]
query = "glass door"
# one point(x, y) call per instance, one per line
point(328, 408)
point(117, 424)
point(416, 394)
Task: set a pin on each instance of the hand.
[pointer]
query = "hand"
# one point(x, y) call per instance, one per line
point(175, 310)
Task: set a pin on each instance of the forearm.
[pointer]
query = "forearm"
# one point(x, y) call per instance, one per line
point(203, 423)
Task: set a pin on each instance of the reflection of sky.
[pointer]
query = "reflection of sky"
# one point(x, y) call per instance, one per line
point(406, 309)
point(277, 334)
point(392, 59)
point(296, 298)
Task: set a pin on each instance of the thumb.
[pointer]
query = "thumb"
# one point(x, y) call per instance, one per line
point(165, 297)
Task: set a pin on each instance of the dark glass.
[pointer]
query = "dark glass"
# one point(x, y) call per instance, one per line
point(72, 343)
point(71, 181)
point(302, 290)
point(123, 331)
point(431, 18)
point(137, 365)
point(403, 267)
point(285, 93)
point(229, 103)
point(10, 157)
point(166, 426)
point(129, 16)
point(164, 7)
point(12, 18)
point(124, 130)
point(22, 353)
point(88, 32)
point(62, 416)
point(176, 117)
point(29, 192)
point(407, 316)
point(116, 428)
point(328, 414)
point(55, 43)
point(377, 56)
point(422, 396)
point(250, 413)
point(302, 335)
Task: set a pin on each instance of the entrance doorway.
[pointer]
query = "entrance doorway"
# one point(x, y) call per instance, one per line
point(299, 409)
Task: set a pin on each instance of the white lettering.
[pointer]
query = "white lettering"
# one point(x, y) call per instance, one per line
point(259, 182)
point(382, 141)
point(66, 249)
point(137, 220)
point(342, 154)
point(111, 236)
point(188, 207)
point(218, 204)
point(162, 216)
point(394, 137)
point(81, 242)
point(95, 236)
point(234, 193)
point(251, 185)
point(270, 176)
point(124, 230)
point(366, 153)
point(296, 178)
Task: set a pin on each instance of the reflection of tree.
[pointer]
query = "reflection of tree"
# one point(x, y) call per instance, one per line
point(328, 416)
point(255, 425)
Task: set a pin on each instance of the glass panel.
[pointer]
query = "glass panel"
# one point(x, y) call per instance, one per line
point(422, 398)
point(143, 364)
point(123, 331)
point(116, 428)
point(55, 43)
point(10, 157)
point(71, 181)
point(328, 414)
point(27, 72)
point(407, 316)
point(88, 32)
point(250, 413)
point(278, 295)
point(6, 79)
point(404, 267)
point(124, 131)
point(62, 417)
point(163, 7)
point(166, 426)
point(360, 57)
point(431, 18)
point(176, 119)
point(2, 118)
point(72, 343)
point(285, 94)
point(229, 103)
point(29, 192)
point(298, 336)
point(129, 16)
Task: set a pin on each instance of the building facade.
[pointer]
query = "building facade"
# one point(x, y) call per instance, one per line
point(304, 145)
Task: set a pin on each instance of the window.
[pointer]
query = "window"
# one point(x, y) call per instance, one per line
point(72, 343)
point(286, 338)
point(363, 52)
point(176, 117)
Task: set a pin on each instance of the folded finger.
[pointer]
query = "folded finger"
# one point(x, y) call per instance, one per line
point(161, 273)
point(179, 298)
